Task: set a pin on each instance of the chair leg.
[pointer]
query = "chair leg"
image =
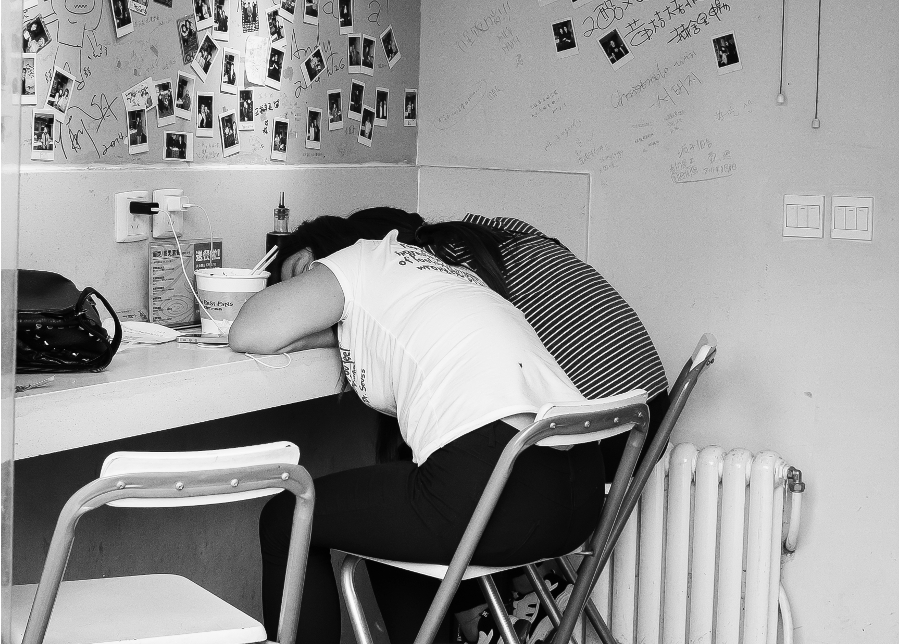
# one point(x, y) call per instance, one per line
point(592, 565)
point(590, 608)
point(546, 599)
point(354, 607)
point(498, 610)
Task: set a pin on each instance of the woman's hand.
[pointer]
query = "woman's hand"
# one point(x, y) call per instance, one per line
point(291, 315)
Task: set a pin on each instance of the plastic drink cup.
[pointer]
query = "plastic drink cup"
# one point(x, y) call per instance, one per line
point(223, 292)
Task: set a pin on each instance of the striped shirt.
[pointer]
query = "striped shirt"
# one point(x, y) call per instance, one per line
point(591, 331)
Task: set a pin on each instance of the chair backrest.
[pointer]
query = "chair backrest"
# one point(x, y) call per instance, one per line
point(180, 479)
point(586, 410)
point(124, 463)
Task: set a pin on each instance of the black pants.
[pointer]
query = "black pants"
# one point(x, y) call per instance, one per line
point(400, 511)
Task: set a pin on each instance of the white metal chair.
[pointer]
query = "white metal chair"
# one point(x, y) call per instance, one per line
point(165, 608)
point(554, 425)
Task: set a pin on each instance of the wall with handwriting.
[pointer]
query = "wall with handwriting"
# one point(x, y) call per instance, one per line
point(95, 130)
point(689, 156)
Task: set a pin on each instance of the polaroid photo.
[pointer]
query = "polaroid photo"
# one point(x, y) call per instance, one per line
point(279, 139)
point(354, 54)
point(140, 96)
point(381, 105)
point(313, 66)
point(286, 9)
point(184, 95)
point(221, 19)
point(345, 16)
point(410, 107)
point(311, 12)
point(391, 48)
point(29, 80)
point(615, 49)
point(245, 110)
point(354, 109)
point(230, 58)
point(137, 131)
point(368, 56)
point(564, 36)
point(228, 132)
point(313, 128)
point(138, 6)
point(276, 25)
point(249, 16)
point(165, 103)
point(62, 91)
point(275, 67)
point(206, 54)
point(205, 113)
point(36, 36)
point(335, 110)
point(42, 133)
point(178, 146)
point(366, 126)
point(187, 38)
point(727, 58)
point(203, 13)
point(256, 59)
point(122, 17)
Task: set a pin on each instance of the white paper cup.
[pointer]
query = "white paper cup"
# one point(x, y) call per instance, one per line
point(223, 292)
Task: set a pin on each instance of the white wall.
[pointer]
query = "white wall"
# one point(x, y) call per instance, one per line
point(807, 329)
point(556, 203)
point(67, 221)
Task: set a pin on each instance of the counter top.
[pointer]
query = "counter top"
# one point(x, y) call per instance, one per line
point(152, 388)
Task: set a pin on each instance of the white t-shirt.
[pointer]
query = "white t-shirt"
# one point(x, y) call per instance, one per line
point(435, 347)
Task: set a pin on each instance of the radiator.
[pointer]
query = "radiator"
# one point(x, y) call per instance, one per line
point(699, 562)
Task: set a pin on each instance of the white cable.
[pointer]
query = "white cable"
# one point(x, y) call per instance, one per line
point(272, 366)
point(197, 297)
point(184, 270)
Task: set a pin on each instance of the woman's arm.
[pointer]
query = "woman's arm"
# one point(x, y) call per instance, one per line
point(291, 315)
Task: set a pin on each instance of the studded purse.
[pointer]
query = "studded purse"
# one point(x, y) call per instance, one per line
point(59, 328)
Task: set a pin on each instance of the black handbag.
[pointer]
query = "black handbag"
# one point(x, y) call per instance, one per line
point(59, 328)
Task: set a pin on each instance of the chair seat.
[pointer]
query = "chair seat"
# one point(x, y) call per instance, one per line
point(143, 609)
point(439, 571)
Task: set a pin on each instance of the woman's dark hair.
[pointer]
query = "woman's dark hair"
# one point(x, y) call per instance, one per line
point(452, 241)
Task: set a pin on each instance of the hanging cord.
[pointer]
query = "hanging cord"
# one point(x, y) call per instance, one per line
point(815, 121)
point(780, 98)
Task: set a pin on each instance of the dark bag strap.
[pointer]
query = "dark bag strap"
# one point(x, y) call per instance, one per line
point(117, 338)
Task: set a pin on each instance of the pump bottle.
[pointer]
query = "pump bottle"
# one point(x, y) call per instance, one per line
point(276, 238)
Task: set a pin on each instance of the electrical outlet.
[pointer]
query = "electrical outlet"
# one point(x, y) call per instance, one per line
point(161, 225)
point(131, 228)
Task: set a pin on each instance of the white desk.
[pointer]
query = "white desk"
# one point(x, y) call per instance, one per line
point(149, 389)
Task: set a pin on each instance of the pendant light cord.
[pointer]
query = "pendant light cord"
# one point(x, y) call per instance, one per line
point(781, 71)
point(818, 57)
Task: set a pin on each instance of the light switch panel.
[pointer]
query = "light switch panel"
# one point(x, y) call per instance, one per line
point(803, 216)
point(851, 217)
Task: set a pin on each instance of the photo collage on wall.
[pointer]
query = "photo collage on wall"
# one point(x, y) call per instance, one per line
point(212, 94)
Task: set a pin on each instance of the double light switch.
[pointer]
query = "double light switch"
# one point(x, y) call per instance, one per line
point(851, 217)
